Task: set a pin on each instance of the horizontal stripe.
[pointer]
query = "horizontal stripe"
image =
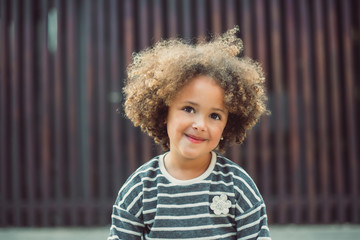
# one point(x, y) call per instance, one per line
point(183, 205)
point(153, 179)
point(266, 228)
point(179, 229)
point(220, 236)
point(258, 208)
point(119, 229)
point(113, 237)
point(137, 215)
point(240, 179)
point(252, 236)
point(239, 208)
point(128, 193)
point(242, 194)
point(256, 222)
point(150, 199)
point(135, 200)
point(150, 189)
point(127, 221)
point(248, 187)
point(200, 182)
point(148, 211)
point(232, 166)
point(195, 216)
point(139, 172)
point(179, 195)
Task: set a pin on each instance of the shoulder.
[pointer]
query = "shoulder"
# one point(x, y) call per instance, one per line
point(245, 189)
point(233, 169)
point(133, 186)
point(147, 169)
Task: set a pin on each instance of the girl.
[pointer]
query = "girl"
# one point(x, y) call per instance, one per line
point(192, 99)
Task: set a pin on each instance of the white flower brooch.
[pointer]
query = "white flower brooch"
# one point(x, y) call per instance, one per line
point(220, 204)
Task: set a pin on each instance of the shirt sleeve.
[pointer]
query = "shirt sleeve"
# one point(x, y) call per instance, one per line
point(125, 225)
point(126, 219)
point(252, 224)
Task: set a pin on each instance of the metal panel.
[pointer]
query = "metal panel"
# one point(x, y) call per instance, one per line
point(321, 108)
point(45, 117)
point(65, 150)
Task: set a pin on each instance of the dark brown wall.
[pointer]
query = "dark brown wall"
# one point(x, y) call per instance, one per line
point(65, 151)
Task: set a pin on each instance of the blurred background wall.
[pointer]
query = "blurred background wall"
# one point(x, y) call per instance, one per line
point(66, 148)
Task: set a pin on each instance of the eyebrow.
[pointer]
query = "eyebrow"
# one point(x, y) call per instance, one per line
point(215, 109)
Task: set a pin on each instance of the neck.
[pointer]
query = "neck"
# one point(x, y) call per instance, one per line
point(185, 169)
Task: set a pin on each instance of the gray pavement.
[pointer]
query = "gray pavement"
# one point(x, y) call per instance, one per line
point(287, 232)
point(315, 232)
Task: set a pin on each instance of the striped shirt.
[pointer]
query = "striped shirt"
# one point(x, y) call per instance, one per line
point(222, 203)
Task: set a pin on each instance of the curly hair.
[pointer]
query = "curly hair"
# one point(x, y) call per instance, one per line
point(156, 75)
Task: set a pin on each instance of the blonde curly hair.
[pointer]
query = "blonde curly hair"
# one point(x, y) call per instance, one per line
point(157, 74)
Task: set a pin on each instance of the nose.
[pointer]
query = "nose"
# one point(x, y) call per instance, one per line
point(199, 124)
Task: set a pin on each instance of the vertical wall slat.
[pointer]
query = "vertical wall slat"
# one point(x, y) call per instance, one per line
point(351, 127)
point(249, 50)
point(186, 19)
point(201, 18)
point(115, 86)
point(322, 123)
point(145, 36)
point(294, 147)
point(29, 112)
point(357, 53)
point(4, 117)
point(230, 13)
point(15, 113)
point(253, 157)
point(102, 157)
point(264, 126)
point(307, 96)
point(173, 18)
point(215, 16)
point(158, 20)
point(246, 27)
point(89, 163)
point(72, 106)
point(144, 23)
point(335, 112)
point(129, 40)
point(235, 154)
point(278, 111)
point(59, 153)
point(45, 107)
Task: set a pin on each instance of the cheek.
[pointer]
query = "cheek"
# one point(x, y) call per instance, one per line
point(221, 129)
point(224, 126)
point(173, 127)
point(220, 132)
point(217, 131)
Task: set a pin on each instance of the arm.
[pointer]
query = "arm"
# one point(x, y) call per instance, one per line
point(125, 225)
point(252, 224)
point(126, 218)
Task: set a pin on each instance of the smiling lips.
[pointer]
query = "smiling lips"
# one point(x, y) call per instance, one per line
point(194, 139)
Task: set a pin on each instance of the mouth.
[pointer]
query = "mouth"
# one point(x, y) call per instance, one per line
point(194, 139)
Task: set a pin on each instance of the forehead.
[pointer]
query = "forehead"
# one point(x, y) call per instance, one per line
point(201, 89)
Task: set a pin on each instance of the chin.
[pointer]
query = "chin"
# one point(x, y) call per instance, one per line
point(193, 153)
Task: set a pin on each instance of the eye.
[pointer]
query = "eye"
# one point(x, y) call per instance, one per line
point(189, 109)
point(215, 116)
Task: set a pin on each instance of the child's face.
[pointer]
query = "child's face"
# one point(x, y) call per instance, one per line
point(196, 118)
